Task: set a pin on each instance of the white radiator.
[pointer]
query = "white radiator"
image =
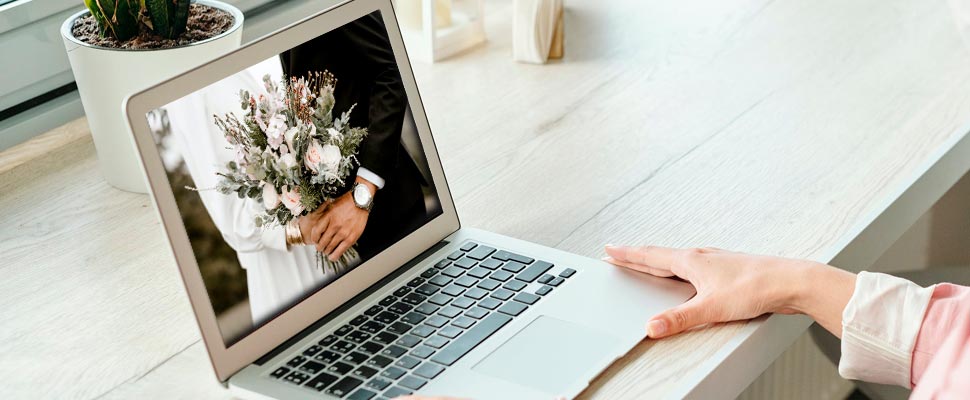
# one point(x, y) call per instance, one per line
point(802, 372)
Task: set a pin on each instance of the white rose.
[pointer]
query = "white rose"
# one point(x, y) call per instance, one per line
point(335, 134)
point(331, 157)
point(287, 162)
point(271, 199)
point(275, 129)
point(291, 200)
point(289, 135)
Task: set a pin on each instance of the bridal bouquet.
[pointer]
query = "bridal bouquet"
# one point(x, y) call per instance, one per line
point(292, 154)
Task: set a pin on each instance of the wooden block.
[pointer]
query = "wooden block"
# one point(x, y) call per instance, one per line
point(557, 47)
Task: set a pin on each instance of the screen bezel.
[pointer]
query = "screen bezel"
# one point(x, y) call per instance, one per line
point(227, 360)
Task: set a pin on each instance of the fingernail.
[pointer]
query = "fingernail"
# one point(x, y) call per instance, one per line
point(607, 258)
point(610, 245)
point(656, 328)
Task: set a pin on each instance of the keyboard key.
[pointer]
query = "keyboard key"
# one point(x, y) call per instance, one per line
point(385, 338)
point(450, 332)
point(414, 298)
point(476, 293)
point(416, 282)
point(394, 351)
point(502, 294)
point(468, 246)
point(342, 346)
point(387, 301)
point(436, 321)
point(344, 386)
point(399, 328)
point(463, 302)
point(453, 290)
point(296, 361)
point(545, 278)
point(441, 264)
point(477, 313)
point(340, 368)
point(427, 309)
point(280, 372)
point(449, 312)
point(520, 258)
point(396, 391)
point(386, 317)
point(358, 337)
point(401, 291)
point(422, 331)
point(427, 289)
point(408, 341)
point(477, 273)
point(297, 377)
point(412, 382)
point(512, 308)
point(515, 285)
point(489, 284)
point(501, 275)
point(371, 327)
point(312, 350)
point(466, 281)
point(489, 303)
point(465, 263)
point(456, 255)
point(471, 339)
point(463, 322)
point(379, 362)
point(327, 341)
point(452, 272)
point(439, 299)
point(362, 394)
point(436, 341)
point(343, 330)
point(360, 319)
point(440, 280)
point(312, 367)
point(355, 358)
point(481, 252)
point(400, 308)
point(379, 383)
point(429, 273)
point(566, 273)
point(393, 373)
point(429, 370)
point(556, 281)
point(364, 372)
point(513, 266)
point(373, 310)
point(501, 255)
point(422, 352)
point(490, 263)
point(407, 362)
point(544, 290)
point(533, 271)
point(321, 381)
point(527, 298)
point(413, 318)
point(327, 357)
point(370, 348)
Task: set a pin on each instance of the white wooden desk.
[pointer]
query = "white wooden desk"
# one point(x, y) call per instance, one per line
point(814, 129)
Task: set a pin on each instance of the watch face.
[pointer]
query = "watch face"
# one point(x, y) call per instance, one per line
point(361, 195)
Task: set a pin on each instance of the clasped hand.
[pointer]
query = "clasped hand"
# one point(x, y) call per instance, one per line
point(334, 227)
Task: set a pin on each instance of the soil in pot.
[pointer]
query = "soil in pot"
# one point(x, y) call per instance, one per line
point(204, 22)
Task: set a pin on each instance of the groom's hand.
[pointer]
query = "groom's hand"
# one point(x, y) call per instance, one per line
point(343, 224)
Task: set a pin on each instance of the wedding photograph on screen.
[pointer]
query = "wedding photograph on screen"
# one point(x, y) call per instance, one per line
point(293, 171)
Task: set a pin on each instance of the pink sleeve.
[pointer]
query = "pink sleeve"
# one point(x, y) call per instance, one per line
point(941, 356)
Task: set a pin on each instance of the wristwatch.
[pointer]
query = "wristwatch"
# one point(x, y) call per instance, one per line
point(363, 198)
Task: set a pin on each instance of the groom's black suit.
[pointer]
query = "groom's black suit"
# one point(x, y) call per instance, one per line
point(359, 56)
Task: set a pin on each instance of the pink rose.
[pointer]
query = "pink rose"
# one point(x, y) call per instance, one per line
point(291, 200)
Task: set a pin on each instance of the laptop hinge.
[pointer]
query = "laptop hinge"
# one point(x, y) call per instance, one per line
point(350, 303)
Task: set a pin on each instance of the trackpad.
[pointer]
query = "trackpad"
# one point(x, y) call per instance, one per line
point(549, 355)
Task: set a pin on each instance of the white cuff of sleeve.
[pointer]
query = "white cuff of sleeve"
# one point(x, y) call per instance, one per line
point(274, 237)
point(879, 329)
point(371, 177)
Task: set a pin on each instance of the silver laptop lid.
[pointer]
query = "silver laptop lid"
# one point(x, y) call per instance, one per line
point(278, 131)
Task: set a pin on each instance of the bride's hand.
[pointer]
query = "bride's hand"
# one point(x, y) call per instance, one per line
point(736, 286)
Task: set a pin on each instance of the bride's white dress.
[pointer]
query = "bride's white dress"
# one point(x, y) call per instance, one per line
point(276, 276)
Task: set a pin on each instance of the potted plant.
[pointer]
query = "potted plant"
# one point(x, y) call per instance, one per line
point(118, 47)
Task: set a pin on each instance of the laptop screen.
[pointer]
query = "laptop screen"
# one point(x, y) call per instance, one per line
point(294, 171)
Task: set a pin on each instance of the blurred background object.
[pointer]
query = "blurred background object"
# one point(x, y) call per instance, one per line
point(437, 29)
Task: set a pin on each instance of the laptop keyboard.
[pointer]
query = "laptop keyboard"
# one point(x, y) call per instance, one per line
point(411, 336)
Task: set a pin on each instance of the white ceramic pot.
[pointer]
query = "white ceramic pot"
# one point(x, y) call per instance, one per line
point(106, 76)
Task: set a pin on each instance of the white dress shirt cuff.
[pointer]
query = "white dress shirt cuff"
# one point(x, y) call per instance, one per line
point(274, 237)
point(371, 177)
point(879, 328)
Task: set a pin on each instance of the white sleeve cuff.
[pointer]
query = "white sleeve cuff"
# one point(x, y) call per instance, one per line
point(879, 328)
point(274, 237)
point(371, 177)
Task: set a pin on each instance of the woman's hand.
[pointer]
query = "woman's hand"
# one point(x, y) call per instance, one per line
point(736, 286)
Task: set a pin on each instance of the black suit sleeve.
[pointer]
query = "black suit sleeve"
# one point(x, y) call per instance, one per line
point(378, 151)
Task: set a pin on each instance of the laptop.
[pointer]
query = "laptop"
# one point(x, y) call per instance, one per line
point(425, 306)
